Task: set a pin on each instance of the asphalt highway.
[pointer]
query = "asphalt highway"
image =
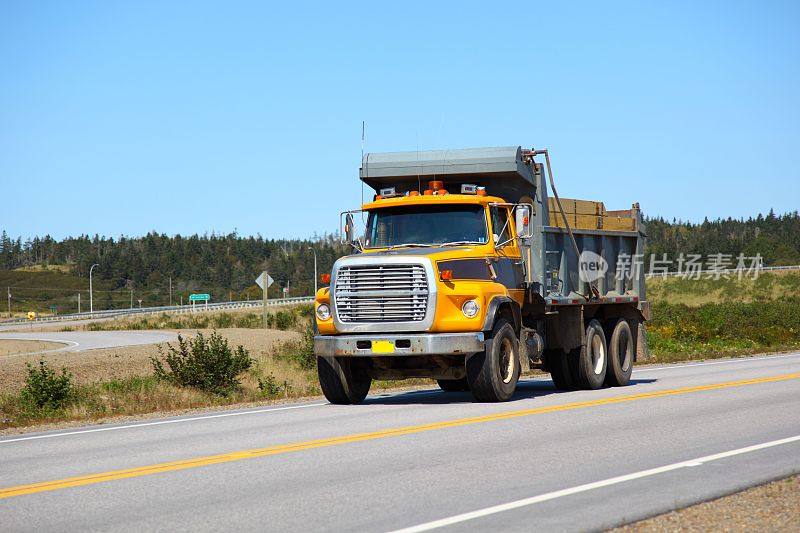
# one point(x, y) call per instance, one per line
point(421, 460)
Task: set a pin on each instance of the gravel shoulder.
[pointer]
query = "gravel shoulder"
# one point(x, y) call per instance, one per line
point(769, 507)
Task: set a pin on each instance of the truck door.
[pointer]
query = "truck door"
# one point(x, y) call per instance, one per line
point(508, 266)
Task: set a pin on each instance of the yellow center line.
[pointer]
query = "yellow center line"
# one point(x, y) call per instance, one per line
point(184, 464)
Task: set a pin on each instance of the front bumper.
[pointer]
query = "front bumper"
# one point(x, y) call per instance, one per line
point(404, 344)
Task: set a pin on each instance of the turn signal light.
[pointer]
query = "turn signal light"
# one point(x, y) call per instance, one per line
point(325, 278)
point(446, 275)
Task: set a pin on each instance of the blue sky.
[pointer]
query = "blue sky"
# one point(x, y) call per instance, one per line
point(125, 117)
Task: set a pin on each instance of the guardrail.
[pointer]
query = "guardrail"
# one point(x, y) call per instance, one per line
point(726, 272)
point(110, 313)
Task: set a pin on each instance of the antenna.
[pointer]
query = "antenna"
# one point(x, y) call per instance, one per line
point(363, 131)
point(363, 139)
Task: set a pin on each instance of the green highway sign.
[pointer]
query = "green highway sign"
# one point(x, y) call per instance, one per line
point(197, 297)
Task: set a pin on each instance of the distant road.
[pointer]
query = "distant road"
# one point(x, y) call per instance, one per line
point(570, 461)
point(177, 309)
point(76, 341)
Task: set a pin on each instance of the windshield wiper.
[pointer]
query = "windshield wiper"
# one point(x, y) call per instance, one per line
point(409, 245)
point(456, 243)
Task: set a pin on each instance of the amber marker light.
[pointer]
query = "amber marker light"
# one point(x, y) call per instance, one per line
point(446, 275)
point(325, 278)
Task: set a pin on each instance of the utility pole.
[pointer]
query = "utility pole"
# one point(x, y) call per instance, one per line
point(315, 269)
point(266, 295)
point(79, 303)
point(9, 301)
point(131, 298)
point(91, 297)
point(170, 290)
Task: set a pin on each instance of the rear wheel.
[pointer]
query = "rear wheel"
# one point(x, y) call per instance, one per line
point(591, 361)
point(492, 374)
point(453, 385)
point(620, 354)
point(559, 370)
point(343, 380)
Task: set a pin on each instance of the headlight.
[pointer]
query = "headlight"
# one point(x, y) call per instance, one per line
point(470, 308)
point(323, 312)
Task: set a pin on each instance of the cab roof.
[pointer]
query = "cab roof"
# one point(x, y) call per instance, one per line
point(432, 199)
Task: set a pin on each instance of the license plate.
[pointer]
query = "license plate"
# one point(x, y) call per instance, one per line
point(382, 347)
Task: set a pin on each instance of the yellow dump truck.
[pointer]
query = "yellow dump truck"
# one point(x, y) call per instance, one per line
point(469, 270)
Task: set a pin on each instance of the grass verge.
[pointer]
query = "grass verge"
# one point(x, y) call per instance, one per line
point(676, 333)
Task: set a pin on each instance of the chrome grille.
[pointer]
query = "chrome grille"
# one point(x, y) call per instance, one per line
point(381, 293)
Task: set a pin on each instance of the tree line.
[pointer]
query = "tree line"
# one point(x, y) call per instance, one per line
point(221, 263)
point(229, 263)
point(775, 238)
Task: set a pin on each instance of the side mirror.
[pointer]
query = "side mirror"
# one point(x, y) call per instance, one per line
point(522, 219)
point(349, 228)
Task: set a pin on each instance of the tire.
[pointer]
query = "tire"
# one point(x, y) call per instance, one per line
point(559, 370)
point(621, 350)
point(591, 361)
point(343, 380)
point(453, 385)
point(492, 374)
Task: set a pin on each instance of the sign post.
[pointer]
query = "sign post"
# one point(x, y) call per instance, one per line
point(264, 281)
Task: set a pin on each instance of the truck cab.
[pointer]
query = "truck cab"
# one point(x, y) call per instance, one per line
point(447, 278)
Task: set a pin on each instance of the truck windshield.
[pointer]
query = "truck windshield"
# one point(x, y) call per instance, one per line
point(426, 226)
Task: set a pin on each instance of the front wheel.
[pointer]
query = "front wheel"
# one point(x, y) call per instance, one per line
point(492, 374)
point(343, 380)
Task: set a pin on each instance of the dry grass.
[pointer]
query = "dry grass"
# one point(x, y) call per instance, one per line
point(120, 382)
point(16, 347)
point(769, 286)
point(122, 363)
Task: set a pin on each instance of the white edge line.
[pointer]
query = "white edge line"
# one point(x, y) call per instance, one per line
point(589, 486)
point(161, 422)
point(743, 359)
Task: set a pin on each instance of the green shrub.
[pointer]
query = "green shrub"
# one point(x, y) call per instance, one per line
point(45, 389)
point(299, 352)
point(270, 387)
point(207, 364)
point(285, 319)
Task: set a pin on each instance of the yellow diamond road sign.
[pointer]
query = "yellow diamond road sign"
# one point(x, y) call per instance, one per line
point(264, 276)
